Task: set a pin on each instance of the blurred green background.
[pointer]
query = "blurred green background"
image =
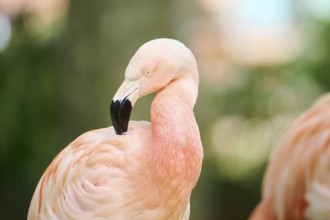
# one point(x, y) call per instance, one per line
point(261, 63)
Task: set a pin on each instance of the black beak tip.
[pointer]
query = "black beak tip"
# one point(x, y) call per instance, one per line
point(120, 112)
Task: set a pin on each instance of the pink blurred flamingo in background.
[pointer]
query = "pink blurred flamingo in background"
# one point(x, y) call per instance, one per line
point(297, 181)
point(147, 172)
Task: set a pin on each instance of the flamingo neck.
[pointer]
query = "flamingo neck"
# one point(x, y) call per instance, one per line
point(177, 152)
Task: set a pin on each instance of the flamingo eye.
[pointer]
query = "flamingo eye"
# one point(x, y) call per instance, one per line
point(147, 73)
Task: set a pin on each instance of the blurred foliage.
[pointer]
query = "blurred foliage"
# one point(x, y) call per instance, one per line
point(318, 66)
point(53, 89)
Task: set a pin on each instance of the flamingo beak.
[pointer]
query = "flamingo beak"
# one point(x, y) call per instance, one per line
point(122, 103)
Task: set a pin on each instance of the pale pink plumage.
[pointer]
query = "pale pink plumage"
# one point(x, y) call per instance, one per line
point(297, 180)
point(146, 173)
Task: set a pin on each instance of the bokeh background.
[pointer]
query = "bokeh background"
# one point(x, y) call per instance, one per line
point(261, 63)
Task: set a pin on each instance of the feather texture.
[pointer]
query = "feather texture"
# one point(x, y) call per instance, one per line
point(297, 180)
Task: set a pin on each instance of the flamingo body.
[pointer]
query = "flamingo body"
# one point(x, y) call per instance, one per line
point(297, 180)
point(147, 172)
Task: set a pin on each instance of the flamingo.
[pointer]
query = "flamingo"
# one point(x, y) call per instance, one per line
point(297, 180)
point(135, 169)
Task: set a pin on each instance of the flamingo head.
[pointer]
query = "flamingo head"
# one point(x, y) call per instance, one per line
point(154, 65)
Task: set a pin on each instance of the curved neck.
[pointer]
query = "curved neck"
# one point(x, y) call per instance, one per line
point(172, 111)
point(177, 153)
point(178, 149)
